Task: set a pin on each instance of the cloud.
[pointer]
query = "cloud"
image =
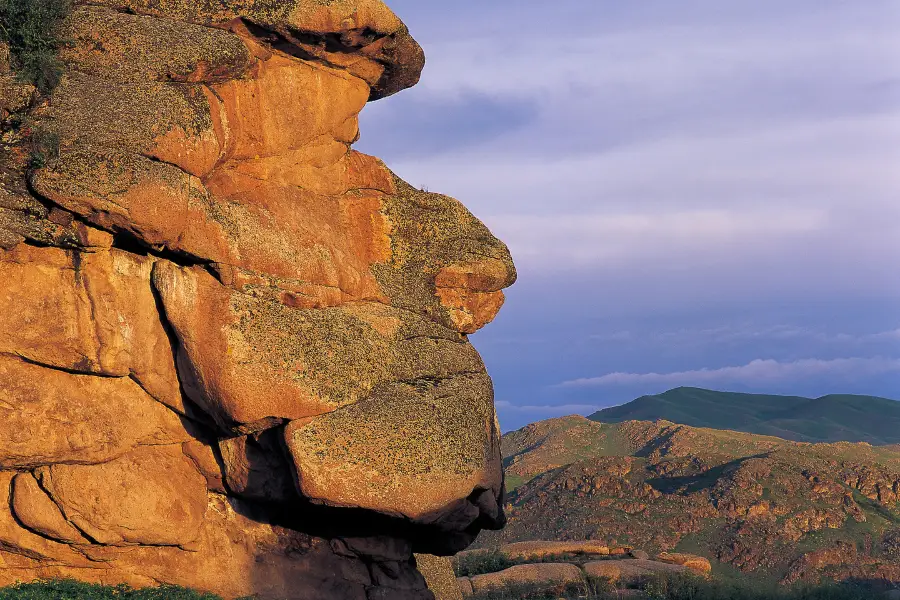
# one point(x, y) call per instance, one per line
point(742, 333)
point(557, 409)
point(753, 373)
point(660, 57)
point(624, 238)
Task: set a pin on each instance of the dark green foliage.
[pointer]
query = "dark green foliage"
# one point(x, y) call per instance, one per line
point(476, 563)
point(31, 28)
point(685, 587)
point(834, 418)
point(44, 148)
point(890, 544)
point(73, 590)
point(491, 561)
point(688, 587)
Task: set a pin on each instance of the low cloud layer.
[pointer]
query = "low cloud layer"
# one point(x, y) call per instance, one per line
point(760, 371)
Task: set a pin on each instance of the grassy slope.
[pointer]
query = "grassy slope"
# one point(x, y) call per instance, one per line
point(838, 417)
point(576, 479)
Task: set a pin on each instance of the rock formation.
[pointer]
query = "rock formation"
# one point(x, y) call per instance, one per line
point(233, 350)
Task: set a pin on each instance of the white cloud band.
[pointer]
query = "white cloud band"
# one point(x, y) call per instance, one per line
point(754, 372)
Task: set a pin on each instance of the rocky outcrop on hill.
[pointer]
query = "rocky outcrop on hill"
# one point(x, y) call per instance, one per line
point(797, 511)
point(233, 350)
point(582, 567)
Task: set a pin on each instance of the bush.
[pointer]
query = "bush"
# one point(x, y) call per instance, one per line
point(686, 587)
point(73, 590)
point(481, 561)
point(890, 544)
point(32, 30)
point(44, 147)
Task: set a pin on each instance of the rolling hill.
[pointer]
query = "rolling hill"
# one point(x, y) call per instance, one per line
point(833, 418)
point(755, 505)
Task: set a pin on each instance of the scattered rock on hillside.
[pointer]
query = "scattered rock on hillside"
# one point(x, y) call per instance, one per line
point(690, 561)
point(533, 550)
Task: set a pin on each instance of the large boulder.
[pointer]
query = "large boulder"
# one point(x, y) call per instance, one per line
point(693, 562)
point(233, 350)
point(544, 575)
point(541, 549)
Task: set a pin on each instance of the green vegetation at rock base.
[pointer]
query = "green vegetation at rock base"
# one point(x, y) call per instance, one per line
point(31, 28)
point(682, 587)
point(74, 590)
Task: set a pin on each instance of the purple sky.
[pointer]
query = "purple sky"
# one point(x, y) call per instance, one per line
point(695, 192)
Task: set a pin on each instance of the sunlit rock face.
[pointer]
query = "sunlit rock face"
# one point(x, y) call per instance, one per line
point(233, 350)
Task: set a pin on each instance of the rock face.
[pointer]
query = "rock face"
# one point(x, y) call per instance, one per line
point(233, 350)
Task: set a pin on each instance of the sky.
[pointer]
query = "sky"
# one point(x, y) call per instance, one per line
point(696, 193)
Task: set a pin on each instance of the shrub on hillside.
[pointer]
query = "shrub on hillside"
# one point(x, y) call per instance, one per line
point(32, 30)
point(890, 544)
point(480, 562)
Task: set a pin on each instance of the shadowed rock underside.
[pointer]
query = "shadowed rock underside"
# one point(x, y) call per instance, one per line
point(233, 350)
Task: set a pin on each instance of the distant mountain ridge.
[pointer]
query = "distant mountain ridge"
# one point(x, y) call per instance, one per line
point(832, 418)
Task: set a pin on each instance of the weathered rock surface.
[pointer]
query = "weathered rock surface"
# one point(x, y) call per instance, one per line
point(629, 569)
point(51, 416)
point(233, 350)
point(690, 561)
point(545, 574)
point(541, 549)
point(438, 573)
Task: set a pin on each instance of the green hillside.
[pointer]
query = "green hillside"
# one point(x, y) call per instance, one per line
point(756, 506)
point(837, 417)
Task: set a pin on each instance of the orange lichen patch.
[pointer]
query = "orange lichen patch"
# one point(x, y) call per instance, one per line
point(344, 15)
point(289, 103)
point(470, 311)
point(195, 153)
point(481, 276)
point(292, 233)
point(92, 313)
point(471, 293)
